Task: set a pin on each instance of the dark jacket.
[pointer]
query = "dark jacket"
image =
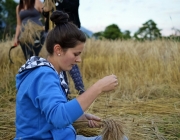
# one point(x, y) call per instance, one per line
point(70, 7)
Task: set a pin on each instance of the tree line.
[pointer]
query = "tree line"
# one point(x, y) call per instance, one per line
point(148, 30)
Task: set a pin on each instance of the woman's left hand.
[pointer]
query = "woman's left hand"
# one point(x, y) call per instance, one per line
point(93, 121)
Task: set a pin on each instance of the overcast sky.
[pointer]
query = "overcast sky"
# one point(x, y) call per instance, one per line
point(95, 15)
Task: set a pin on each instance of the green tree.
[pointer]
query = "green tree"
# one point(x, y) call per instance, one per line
point(112, 32)
point(98, 35)
point(1, 15)
point(8, 18)
point(126, 35)
point(148, 31)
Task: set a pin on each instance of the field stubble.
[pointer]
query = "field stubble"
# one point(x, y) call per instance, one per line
point(147, 99)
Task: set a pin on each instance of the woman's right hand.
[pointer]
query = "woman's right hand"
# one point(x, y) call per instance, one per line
point(16, 42)
point(108, 83)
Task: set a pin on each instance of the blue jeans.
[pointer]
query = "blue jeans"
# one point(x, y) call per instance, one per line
point(80, 137)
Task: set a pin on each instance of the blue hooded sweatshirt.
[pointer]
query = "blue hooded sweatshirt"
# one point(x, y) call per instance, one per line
point(42, 108)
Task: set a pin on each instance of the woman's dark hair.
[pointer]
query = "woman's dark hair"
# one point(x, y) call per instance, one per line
point(29, 3)
point(65, 33)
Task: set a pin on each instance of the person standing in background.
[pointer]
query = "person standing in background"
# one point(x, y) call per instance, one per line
point(29, 10)
point(70, 7)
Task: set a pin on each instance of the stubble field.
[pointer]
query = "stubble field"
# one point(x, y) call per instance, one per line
point(147, 99)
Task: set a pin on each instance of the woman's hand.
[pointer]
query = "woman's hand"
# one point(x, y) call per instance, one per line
point(108, 83)
point(16, 42)
point(93, 121)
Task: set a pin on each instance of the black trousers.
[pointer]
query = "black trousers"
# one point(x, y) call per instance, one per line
point(33, 49)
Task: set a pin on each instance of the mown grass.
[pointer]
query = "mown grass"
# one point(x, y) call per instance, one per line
point(147, 99)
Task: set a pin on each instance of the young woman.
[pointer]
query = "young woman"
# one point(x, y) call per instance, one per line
point(29, 10)
point(42, 108)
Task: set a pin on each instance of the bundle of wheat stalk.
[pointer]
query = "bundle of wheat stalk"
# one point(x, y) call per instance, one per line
point(49, 4)
point(31, 31)
point(111, 129)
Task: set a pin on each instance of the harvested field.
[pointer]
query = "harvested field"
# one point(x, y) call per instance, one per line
point(147, 100)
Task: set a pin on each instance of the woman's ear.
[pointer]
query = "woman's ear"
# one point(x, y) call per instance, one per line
point(58, 49)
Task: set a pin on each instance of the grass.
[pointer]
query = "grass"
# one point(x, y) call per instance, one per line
point(147, 99)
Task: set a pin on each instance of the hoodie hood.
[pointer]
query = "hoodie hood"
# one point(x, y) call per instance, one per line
point(35, 62)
